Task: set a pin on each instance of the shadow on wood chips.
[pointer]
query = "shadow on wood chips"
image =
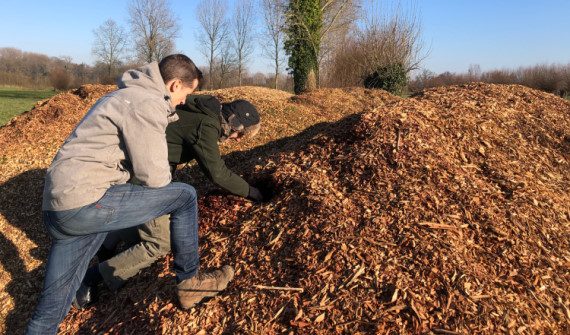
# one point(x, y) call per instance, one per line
point(444, 213)
point(21, 206)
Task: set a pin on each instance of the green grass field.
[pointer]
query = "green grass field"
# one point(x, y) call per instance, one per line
point(16, 100)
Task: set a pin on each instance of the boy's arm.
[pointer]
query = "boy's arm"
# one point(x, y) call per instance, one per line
point(211, 163)
point(144, 134)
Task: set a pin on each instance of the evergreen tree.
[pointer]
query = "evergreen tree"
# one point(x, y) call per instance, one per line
point(304, 29)
point(392, 78)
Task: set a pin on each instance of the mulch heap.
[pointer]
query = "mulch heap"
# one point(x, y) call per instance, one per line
point(444, 213)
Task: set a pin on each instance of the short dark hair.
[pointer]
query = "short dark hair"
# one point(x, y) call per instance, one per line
point(201, 81)
point(179, 66)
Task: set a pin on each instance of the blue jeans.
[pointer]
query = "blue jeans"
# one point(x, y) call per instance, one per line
point(78, 233)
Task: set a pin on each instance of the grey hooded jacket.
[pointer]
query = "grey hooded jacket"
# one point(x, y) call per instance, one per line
point(122, 136)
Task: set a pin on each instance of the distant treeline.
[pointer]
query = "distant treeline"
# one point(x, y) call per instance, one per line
point(34, 70)
point(551, 78)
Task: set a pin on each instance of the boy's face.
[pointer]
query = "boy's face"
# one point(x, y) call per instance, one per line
point(236, 136)
point(249, 132)
point(179, 91)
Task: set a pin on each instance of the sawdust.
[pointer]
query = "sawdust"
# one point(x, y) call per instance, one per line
point(447, 213)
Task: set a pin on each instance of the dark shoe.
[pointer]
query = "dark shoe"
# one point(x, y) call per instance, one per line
point(86, 296)
point(191, 291)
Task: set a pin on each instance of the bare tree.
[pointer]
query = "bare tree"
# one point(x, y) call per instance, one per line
point(258, 79)
point(474, 72)
point(36, 70)
point(243, 35)
point(23, 68)
point(339, 17)
point(60, 72)
point(154, 28)
point(336, 16)
point(110, 45)
point(212, 17)
point(272, 44)
point(385, 38)
point(60, 78)
point(227, 64)
point(393, 38)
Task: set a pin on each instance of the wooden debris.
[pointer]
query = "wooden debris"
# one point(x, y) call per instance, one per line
point(435, 225)
point(445, 331)
point(278, 288)
point(463, 229)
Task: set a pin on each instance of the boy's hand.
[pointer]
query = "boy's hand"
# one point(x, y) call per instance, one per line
point(255, 194)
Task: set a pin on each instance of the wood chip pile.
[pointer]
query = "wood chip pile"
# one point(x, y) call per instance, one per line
point(445, 213)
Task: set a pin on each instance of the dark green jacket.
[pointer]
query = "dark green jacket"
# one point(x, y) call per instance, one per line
point(195, 136)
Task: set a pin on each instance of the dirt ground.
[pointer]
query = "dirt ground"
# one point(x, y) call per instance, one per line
point(446, 213)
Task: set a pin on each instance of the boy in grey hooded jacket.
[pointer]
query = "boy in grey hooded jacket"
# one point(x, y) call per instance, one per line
point(87, 194)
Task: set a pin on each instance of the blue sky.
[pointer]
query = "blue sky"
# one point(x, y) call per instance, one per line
point(457, 33)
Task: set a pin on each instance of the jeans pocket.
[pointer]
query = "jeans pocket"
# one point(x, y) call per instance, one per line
point(104, 213)
point(89, 219)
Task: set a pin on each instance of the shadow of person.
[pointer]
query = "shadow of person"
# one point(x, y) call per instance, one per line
point(21, 199)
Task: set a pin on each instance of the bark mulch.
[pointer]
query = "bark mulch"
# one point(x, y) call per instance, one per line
point(444, 213)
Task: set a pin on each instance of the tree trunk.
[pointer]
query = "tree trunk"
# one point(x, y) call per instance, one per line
point(311, 83)
point(276, 69)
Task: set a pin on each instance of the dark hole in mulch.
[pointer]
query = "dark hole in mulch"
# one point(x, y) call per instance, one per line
point(267, 186)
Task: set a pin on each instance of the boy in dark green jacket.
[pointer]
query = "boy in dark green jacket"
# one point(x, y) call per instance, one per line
point(203, 124)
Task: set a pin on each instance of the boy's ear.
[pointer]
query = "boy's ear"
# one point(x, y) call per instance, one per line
point(174, 85)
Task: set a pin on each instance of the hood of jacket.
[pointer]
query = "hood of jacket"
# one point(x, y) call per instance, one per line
point(147, 77)
point(202, 104)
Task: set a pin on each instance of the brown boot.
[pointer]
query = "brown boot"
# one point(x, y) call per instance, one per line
point(191, 291)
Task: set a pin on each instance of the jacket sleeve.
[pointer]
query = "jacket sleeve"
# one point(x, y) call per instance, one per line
point(211, 163)
point(145, 140)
